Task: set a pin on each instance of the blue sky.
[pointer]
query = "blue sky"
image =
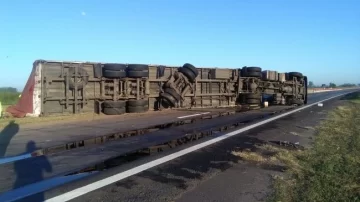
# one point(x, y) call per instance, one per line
point(320, 38)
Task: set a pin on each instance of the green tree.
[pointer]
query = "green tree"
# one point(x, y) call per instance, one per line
point(8, 89)
point(348, 85)
point(8, 95)
point(332, 85)
point(311, 84)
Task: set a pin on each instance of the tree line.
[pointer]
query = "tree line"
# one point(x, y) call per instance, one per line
point(8, 89)
point(9, 95)
point(332, 85)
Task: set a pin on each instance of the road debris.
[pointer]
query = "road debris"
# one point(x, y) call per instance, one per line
point(289, 144)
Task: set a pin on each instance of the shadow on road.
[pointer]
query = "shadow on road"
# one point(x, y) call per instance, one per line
point(31, 170)
point(217, 157)
point(351, 96)
point(6, 135)
point(127, 183)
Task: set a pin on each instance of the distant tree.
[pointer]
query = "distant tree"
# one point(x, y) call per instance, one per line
point(8, 89)
point(348, 85)
point(8, 95)
point(323, 86)
point(332, 85)
point(311, 84)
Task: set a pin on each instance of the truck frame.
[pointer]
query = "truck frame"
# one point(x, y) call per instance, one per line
point(115, 88)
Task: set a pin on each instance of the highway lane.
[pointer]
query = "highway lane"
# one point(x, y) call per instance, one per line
point(49, 194)
point(312, 98)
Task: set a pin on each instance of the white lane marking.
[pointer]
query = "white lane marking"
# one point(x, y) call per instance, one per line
point(181, 117)
point(133, 171)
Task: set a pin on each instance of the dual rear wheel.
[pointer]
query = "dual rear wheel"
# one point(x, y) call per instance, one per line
point(121, 107)
point(170, 96)
point(253, 99)
point(113, 71)
point(254, 72)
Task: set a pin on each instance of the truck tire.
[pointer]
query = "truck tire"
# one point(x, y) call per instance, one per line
point(114, 67)
point(169, 99)
point(254, 74)
point(253, 96)
point(136, 103)
point(253, 69)
point(243, 71)
point(138, 74)
point(114, 104)
point(296, 102)
point(253, 101)
point(138, 71)
point(192, 68)
point(137, 67)
point(114, 74)
point(287, 76)
point(114, 70)
point(173, 93)
point(114, 111)
point(137, 109)
point(295, 74)
point(188, 73)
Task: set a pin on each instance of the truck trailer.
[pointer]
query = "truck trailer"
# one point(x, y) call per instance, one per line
point(69, 87)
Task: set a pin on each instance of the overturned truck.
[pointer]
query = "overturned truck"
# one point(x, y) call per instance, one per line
point(61, 87)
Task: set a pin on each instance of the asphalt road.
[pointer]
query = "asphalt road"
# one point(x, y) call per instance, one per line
point(208, 174)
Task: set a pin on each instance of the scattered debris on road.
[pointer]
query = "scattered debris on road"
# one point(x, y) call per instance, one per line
point(295, 145)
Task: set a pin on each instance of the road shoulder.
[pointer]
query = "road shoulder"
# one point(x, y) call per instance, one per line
point(246, 181)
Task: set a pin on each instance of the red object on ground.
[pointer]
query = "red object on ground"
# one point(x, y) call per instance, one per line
point(25, 103)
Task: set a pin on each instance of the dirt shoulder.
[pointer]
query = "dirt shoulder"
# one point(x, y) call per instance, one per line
point(329, 171)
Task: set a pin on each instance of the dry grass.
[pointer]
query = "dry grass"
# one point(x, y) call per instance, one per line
point(330, 170)
point(4, 107)
point(270, 155)
point(252, 156)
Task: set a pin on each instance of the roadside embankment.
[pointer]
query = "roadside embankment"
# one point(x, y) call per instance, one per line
point(261, 160)
point(329, 171)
